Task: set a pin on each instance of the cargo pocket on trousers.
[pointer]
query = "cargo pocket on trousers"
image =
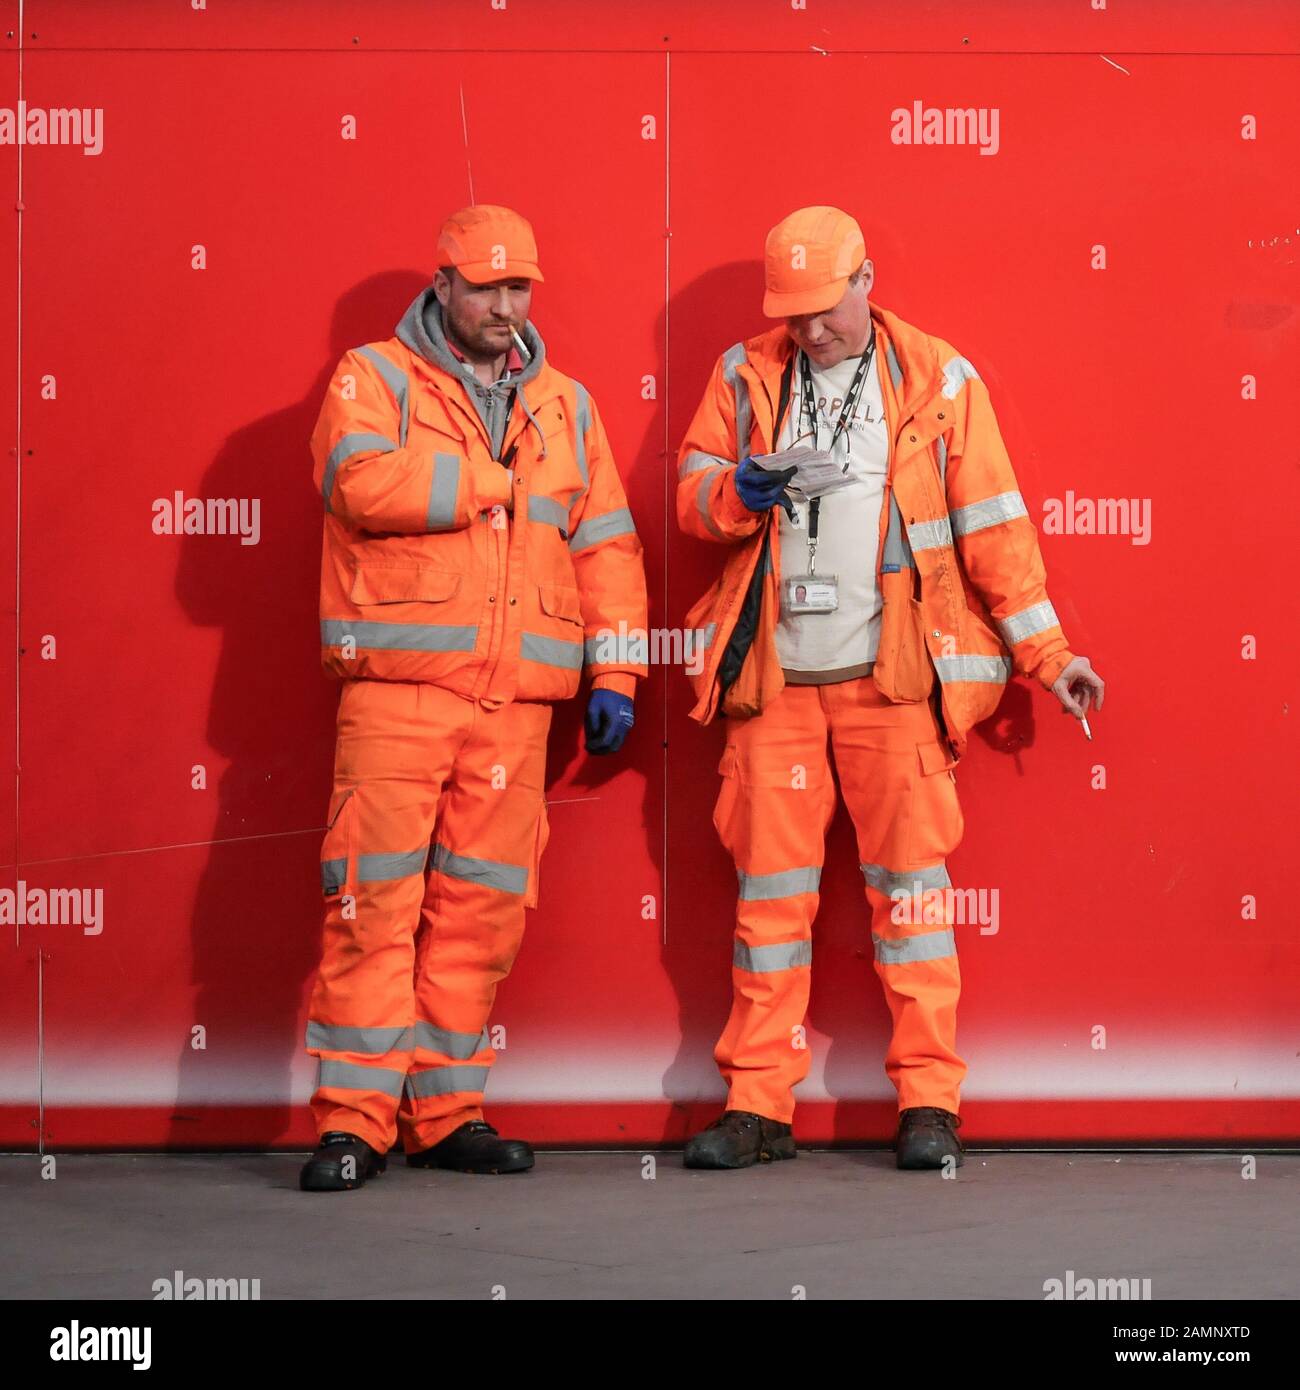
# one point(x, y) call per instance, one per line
point(338, 855)
point(540, 837)
point(936, 819)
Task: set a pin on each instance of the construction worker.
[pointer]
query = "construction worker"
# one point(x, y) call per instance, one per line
point(882, 581)
point(478, 545)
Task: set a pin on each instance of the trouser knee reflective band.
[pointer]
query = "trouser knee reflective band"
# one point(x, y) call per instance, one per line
point(436, 826)
point(774, 806)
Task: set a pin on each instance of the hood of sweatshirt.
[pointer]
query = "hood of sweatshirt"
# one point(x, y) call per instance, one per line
point(420, 328)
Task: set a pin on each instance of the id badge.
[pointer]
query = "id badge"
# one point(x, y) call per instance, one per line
point(812, 593)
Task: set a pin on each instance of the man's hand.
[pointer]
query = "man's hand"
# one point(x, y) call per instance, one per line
point(761, 490)
point(609, 717)
point(1076, 686)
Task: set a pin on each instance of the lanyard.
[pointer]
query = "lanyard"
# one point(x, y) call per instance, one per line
point(846, 414)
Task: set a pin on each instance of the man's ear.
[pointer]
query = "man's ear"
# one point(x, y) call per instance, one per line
point(442, 283)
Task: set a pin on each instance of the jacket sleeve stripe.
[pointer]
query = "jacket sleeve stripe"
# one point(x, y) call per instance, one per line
point(733, 357)
point(957, 371)
point(581, 427)
point(616, 649)
point(1028, 622)
point(1006, 506)
point(550, 511)
point(707, 484)
point(603, 528)
point(442, 492)
point(694, 462)
point(395, 380)
point(347, 446)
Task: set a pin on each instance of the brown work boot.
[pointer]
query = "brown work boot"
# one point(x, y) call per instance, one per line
point(738, 1138)
point(927, 1136)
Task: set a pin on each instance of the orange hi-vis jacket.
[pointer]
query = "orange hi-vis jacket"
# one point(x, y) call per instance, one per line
point(961, 577)
point(425, 574)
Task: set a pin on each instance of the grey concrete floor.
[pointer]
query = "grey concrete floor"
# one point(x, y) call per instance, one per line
point(595, 1226)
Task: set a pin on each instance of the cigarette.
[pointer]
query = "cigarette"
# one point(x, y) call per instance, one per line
point(519, 343)
point(1086, 729)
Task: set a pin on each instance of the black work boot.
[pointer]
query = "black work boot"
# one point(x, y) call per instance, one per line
point(475, 1148)
point(325, 1170)
point(738, 1138)
point(926, 1136)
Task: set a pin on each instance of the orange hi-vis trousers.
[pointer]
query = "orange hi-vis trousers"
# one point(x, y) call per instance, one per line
point(772, 813)
point(436, 826)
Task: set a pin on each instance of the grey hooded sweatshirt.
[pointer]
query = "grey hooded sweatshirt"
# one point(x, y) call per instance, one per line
point(421, 330)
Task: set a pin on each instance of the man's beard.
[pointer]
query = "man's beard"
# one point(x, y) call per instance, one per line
point(475, 341)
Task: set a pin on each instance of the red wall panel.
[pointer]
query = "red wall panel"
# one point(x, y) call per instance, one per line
point(1118, 908)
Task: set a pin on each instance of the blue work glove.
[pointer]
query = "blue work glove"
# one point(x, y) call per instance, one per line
point(760, 490)
point(609, 717)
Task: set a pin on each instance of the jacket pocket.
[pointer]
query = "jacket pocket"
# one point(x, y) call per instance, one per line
point(431, 412)
point(338, 855)
point(936, 821)
point(913, 669)
point(393, 583)
point(560, 601)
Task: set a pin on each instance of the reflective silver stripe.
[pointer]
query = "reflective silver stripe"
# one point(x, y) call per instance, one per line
point(333, 874)
point(1027, 622)
point(761, 888)
point(509, 878)
point(942, 446)
point(1006, 506)
point(351, 1076)
point(602, 528)
point(398, 637)
point(580, 431)
point(551, 651)
point(995, 670)
point(380, 868)
point(445, 1081)
point(335, 1037)
point(926, 535)
point(907, 950)
point(347, 446)
point(762, 960)
point(897, 551)
point(548, 510)
point(702, 493)
point(395, 379)
point(694, 462)
point(731, 359)
point(710, 631)
point(895, 372)
point(462, 1046)
point(956, 373)
point(442, 492)
point(917, 881)
point(614, 649)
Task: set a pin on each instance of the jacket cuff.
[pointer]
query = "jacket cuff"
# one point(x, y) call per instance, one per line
point(618, 681)
point(734, 513)
point(494, 485)
point(1050, 671)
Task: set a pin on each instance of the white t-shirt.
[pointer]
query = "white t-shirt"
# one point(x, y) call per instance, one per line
point(848, 528)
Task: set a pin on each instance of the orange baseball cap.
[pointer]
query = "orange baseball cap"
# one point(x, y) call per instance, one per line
point(486, 243)
point(809, 257)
